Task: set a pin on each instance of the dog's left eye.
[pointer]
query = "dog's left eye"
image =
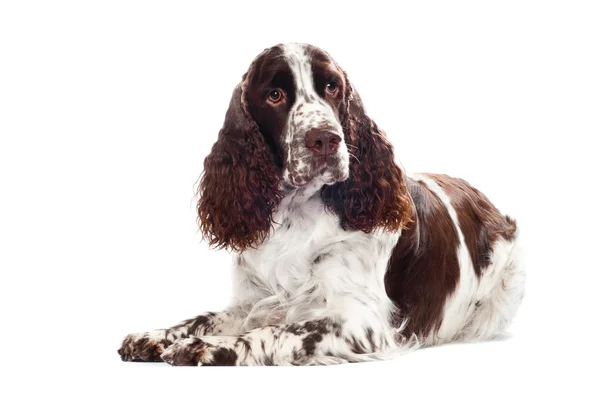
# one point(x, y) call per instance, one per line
point(331, 88)
point(275, 96)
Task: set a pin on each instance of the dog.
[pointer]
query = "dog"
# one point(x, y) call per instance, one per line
point(339, 255)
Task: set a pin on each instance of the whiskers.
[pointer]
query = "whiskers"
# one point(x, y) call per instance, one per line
point(351, 149)
point(354, 156)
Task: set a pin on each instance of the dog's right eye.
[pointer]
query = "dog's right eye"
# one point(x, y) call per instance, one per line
point(275, 96)
point(331, 88)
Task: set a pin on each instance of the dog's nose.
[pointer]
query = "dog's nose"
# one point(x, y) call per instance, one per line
point(322, 142)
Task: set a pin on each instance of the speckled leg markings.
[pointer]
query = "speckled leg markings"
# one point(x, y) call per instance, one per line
point(323, 341)
point(143, 347)
point(147, 347)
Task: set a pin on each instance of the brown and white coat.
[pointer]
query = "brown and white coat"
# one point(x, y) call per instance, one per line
point(339, 256)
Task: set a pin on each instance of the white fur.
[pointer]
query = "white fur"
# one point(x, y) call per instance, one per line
point(500, 292)
point(286, 286)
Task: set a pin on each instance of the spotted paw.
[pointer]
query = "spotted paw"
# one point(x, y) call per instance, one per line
point(143, 347)
point(194, 351)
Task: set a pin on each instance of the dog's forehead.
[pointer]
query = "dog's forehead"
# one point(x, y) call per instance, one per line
point(292, 53)
point(298, 58)
point(300, 65)
point(306, 54)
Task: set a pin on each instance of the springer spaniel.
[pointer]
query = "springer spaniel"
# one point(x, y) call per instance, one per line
point(339, 256)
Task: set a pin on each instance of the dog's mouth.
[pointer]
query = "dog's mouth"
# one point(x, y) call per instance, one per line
point(327, 161)
point(327, 169)
point(335, 172)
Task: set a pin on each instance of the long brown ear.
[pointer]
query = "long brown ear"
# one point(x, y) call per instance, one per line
point(375, 194)
point(240, 185)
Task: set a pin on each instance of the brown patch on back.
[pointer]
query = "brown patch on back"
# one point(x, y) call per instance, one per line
point(423, 269)
point(480, 222)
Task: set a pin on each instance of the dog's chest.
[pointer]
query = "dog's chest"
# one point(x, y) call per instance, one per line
point(301, 232)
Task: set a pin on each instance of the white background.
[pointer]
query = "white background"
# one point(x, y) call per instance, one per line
point(108, 108)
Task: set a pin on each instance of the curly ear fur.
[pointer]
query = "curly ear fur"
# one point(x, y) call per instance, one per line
point(239, 188)
point(375, 194)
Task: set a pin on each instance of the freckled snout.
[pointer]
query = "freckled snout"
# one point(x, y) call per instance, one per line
point(322, 142)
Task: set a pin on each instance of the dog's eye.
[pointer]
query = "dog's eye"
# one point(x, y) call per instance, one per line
point(275, 96)
point(331, 88)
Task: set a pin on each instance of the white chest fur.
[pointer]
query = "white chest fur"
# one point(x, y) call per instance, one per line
point(310, 266)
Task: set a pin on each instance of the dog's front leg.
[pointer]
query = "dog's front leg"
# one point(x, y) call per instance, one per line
point(323, 341)
point(147, 347)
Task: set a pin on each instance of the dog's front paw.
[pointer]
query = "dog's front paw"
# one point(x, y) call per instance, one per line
point(195, 351)
point(143, 347)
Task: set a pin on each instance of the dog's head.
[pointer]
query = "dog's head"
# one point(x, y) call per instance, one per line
point(295, 94)
point(294, 119)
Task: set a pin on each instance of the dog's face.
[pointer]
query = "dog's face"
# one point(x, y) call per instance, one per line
point(296, 119)
point(296, 95)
